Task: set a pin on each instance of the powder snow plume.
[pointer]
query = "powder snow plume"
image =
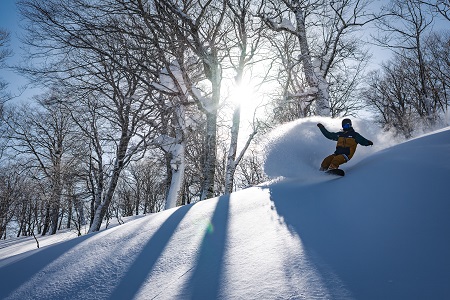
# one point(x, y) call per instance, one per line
point(297, 148)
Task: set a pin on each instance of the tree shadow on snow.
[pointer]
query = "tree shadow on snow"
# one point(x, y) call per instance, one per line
point(13, 275)
point(205, 280)
point(138, 272)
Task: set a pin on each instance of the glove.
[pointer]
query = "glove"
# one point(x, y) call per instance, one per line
point(320, 125)
point(370, 143)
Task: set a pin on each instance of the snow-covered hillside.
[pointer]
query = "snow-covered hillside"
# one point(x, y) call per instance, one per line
point(380, 232)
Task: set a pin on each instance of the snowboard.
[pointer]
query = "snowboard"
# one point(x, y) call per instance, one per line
point(338, 172)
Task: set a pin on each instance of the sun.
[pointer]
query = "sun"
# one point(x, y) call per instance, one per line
point(249, 95)
point(242, 94)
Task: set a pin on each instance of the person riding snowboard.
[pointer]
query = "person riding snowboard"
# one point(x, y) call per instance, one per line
point(347, 140)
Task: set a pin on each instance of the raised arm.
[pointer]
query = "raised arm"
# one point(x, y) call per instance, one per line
point(329, 135)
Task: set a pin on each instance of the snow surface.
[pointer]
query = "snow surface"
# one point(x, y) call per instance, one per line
point(380, 232)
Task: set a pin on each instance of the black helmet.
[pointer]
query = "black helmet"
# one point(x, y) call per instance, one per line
point(346, 123)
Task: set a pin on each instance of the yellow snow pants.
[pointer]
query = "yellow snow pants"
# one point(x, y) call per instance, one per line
point(333, 161)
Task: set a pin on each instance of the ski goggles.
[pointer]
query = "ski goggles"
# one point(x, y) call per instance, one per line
point(346, 125)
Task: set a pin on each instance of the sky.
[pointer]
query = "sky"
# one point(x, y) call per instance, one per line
point(9, 20)
point(380, 232)
point(8, 15)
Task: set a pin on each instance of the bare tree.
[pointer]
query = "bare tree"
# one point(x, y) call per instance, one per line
point(101, 69)
point(10, 190)
point(140, 189)
point(325, 38)
point(242, 47)
point(250, 172)
point(210, 38)
point(188, 34)
point(278, 17)
point(391, 99)
point(147, 185)
point(45, 134)
point(200, 28)
point(395, 92)
point(438, 66)
point(441, 6)
point(404, 30)
point(4, 53)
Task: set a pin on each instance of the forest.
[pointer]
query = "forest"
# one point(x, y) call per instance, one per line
point(148, 105)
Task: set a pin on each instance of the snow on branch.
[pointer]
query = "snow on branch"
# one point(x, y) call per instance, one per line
point(167, 143)
point(309, 91)
point(171, 80)
point(282, 25)
point(205, 102)
point(286, 24)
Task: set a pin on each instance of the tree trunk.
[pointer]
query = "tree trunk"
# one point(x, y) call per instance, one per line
point(210, 156)
point(46, 219)
point(313, 75)
point(56, 193)
point(178, 162)
point(70, 212)
point(102, 208)
point(231, 163)
point(209, 170)
point(178, 167)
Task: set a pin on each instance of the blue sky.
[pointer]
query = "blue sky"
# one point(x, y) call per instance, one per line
point(8, 14)
point(9, 20)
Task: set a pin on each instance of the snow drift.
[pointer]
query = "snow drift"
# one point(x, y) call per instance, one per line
point(381, 232)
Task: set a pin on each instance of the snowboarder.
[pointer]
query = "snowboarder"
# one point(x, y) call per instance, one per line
point(347, 140)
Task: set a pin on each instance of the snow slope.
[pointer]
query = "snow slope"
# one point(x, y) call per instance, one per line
point(381, 232)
